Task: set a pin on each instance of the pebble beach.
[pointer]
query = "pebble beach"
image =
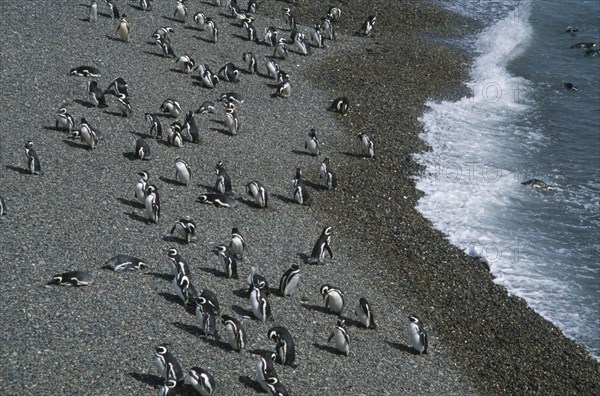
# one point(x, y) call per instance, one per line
point(80, 212)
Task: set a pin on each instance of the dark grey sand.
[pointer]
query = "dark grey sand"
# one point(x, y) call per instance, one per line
point(100, 339)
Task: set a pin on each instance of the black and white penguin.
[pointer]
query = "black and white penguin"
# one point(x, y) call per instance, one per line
point(328, 175)
point(250, 31)
point(186, 229)
point(167, 365)
point(125, 262)
point(230, 99)
point(123, 29)
point(312, 144)
point(183, 172)
point(256, 280)
point(87, 134)
point(275, 387)
point(284, 90)
point(335, 13)
point(72, 278)
point(232, 122)
point(367, 143)
point(223, 182)
point(117, 87)
point(257, 191)
point(206, 108)
point(145, 5)
point(141, 149)
point(200, 19)
point(212, 30)
point(417, 335)
point(33, 161)
point(191, 127)
point(334, 298)
point(271, 36)
point(212, 299)
point(209, 79)
point(236, 334)
point(168, 388)
point(229, 261)
point(281, 49)
point(588, 45)
point(93, 12)
point(539, 184)
point(327, 28)
point(173, 136)
point(316, 36)
point(251, 62)
point(185, 290)
point(124, 105)
point(85, 71)
point(171, 107)
point(202, 381)
point(185, 63)
point(272, 68)
point(570, 86)
point(2, 207)
point(181, 11)
point(261, 307)
point(229, 72)
point(163, 33)
point(64, 120)
point(289, 280)
point(140, 187)
point(96, 95)
point(367, 27)
point(178, 264)
point(285, 348)
point(322, 245)
point(206, 316)
point(300, 44)
point(341, 337)
point(165, 46)
point(265, 369)
point(340, 105)
point(365, 314)
point(152, 203)
point(155, 125)
point(217, 199)
point(113, 9)
point(237, 246)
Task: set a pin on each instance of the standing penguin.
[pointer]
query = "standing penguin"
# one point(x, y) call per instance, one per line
point(367, 142)
point(124, 105)
point(191, 127)
point(167, 365)
point(365, 314)
point(64, 120)
point(289, 280)
point(185, 228)
point(286, 348)
point(327, 174)
point(168, 388)
point(341, 337)
point(213, 31)
point(206, 315)
point(155, 125)
point(229, 261)
point(152, 203)
point(250, 60)
point(93, 15)
point(265, 369)
point(367, 27)
point(232, 122)
point(258, 192)
point(123, 29)
point(141, 149)
point(183, 287)
point(322, 245)
point(236, 334)
point(223, 182)
point(261, 308)
point(334, 299)
point(183, 173)
point(140, 187)
point(312, 144)
point(87, 134)
point(96, 95)
point(417, 335)
point(181, 11)
point(237, 246)
point(33, 162)
point(2, 207)
point(202, 381)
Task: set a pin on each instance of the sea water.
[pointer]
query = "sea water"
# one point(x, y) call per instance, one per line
point(519, 122)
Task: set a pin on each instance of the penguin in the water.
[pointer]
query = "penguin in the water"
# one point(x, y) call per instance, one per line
point(202, 381)
point(183, 172)
point(341, 337)
point(33, 161)
point(365, 313)
point(334, 298)
point(167, 365)
point(285, 348)
point(236, 334)
point(322, 245)
point(570, 87)
point(417, 335)
point(539, 184)
point(73, 278)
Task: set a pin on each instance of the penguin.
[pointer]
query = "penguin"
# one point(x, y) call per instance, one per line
point(271, 36)
point(141, 149)
point(185, 63)
point(327, 174)
point(282, 77)
point(178, 264)
point(251, 62)
point(229, 261)
point(155, 125)
point(417, 335)
point(87, 134)
point(186, 229)
point(200, 20)
point(334, 299)
point(258, 192)
point(265, 369)
point(205, 314)
point(285, 348)
point(163, 33)
point(256, 280)
point(93, 14)
point(592, 52)
point(123, 29)
point(536, 183)
point(167, 365)
point(272, 68)
point(365, 314)
point(124, 262)
point(232, 122)
point(287, 16)
point(181, 11)
point(223, 182)
point(173, 136)
point(33, 162)
point(217, 199)
point(85, 71)
point(367, 27)
point(289, 280)
point(275, 387)
point(237, 246)
point(171, 107)
point(340, 105)
point(123, 105)
point(183, 173)
point(168, 388)
point(112, 8)
point(2, 207)
point(281, 49)
point(572, 30)
point(236, 334)
point(209, 79)
point(341, 337)
point(152, 203)
point(145, 5)
point(96, 95)
point(211, 299)
point(284, 90)
point(117, 87)
point(570, 87)
point(252, 6)
point(334, 13)
point(202, 381)
point(72, 278)
point(301, 46)
point(231, 98)
point(367, 143)
point(250, 31)
point(261, 308)
point(64, 120)
point(206, 107)
point(229, 72)
point(191, 127)
point(165, 46)
point(316, 36)
point(140, 187)
point(322, 245)
point(312, 144)
point(184, 288)
point(588, 45)
point(213, 31)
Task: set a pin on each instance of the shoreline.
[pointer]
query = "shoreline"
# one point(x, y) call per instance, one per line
point(100, 339)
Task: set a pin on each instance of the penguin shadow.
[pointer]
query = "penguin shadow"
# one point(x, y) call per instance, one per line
point(402, 347)
point(84, 103)
point(222, 131)
point(208, 188)
point(250, 383)
point(243, 312)
point(131, 202)
point(143, 135)
point(170, 297)
point(148, 379)
point(113, 38)
point(178, 71)
point(284, 199)
point(188, 27)
point(174, 239)
point(354, 323)
point(209, 41)
point(105, 15)
point(190, 329)
point(154, 54)
point(328, 348)
point(172, 182)
point(132, 157)
point(114, 113)
point(159, 275)
point(22, 171)
point(318, 308)
point(55, 128)
point(273, 86)
point(301, 152)
point(168, 18)
point(217, 273)
point(137, 7)
point(72, 143)
point(137, 217)
point(240, 36)
point(242, 292)
point(314, 186)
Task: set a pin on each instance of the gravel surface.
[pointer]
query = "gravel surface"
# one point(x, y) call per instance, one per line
point(80, 212)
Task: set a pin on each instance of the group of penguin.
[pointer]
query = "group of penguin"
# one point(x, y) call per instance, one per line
point(206, 303)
